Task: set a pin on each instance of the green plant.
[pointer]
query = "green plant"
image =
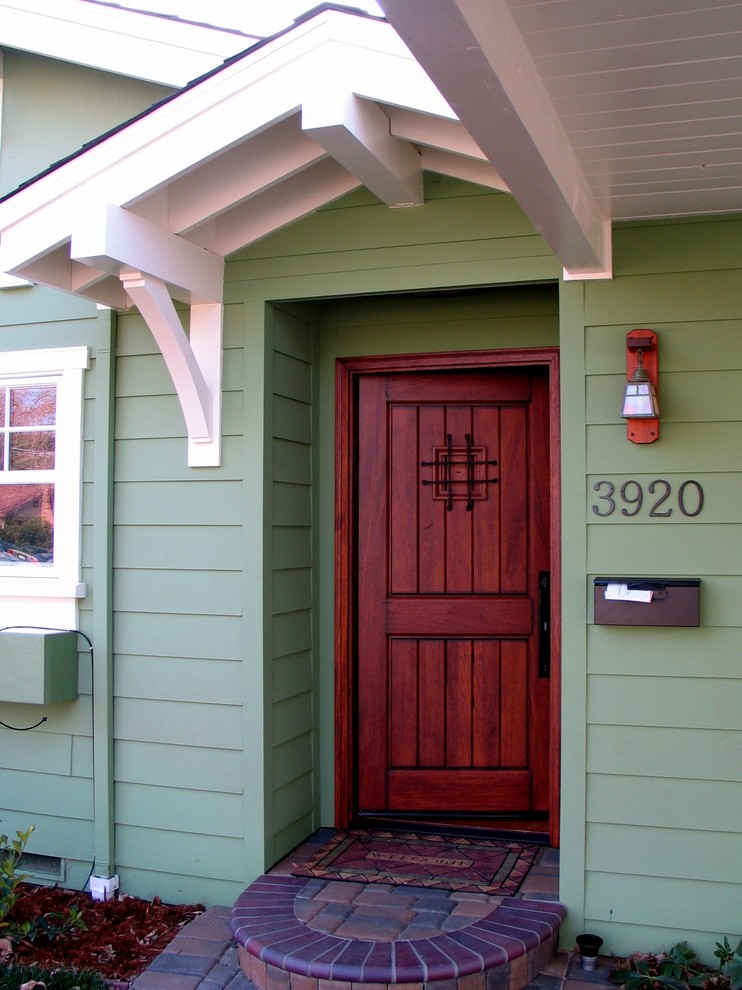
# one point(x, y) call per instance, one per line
point(730, 962)
point(14, 977)
point(680, 969)
point(47, 926)
point(10, 854)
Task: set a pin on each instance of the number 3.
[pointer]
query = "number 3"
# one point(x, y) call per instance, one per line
point(608, 497)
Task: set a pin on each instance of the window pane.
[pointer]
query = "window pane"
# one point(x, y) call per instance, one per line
point(3, 402)
point(32, 451)
point(33, 405)
point(26, 524)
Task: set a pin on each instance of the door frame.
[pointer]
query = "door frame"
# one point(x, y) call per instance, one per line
point(348, 371)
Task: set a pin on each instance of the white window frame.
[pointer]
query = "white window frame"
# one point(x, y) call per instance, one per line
point(63, 367)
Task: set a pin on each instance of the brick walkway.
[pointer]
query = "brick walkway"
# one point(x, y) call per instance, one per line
point(203, 956)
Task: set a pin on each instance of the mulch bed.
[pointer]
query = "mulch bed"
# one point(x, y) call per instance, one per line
point(123, 936)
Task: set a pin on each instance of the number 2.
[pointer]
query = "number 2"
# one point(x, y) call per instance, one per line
point(662, 499)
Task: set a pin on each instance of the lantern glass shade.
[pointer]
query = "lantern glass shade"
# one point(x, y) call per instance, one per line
point(640, 400)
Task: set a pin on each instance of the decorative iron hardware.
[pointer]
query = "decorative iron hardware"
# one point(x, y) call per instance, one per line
point(459, 472)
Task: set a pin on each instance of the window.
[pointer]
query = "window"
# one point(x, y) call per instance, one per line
point(40, 459)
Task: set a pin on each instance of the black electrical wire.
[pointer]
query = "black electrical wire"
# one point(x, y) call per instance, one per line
point(24, 728)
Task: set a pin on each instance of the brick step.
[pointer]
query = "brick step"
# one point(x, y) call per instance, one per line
point(293, 932)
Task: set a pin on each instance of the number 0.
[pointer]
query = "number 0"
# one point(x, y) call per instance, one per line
point(699, 498)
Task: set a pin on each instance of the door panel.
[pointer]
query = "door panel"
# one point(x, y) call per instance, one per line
point(452, 524)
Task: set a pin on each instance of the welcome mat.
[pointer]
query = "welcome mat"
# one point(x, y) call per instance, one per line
point(442, 861)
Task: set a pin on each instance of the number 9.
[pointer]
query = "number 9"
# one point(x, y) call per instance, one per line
point(636, 500)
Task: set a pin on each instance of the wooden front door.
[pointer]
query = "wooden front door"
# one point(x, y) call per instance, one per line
point(452, 549)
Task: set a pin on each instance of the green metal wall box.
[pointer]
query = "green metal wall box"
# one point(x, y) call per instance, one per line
point(38, 668)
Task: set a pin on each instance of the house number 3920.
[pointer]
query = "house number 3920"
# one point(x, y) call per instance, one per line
point(660, 499)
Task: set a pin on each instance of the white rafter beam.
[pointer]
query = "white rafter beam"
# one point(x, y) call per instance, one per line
point(356, 134)
point(474, 53)
point(241, 172)
point(459, 167)
point(195, 365)
point(57, 271)
point(427, 131)
point(112, 239)
point(277, 207)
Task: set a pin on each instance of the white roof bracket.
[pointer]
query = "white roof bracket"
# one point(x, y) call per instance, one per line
point(357, 134)
point(195, 365)
point(112, 239)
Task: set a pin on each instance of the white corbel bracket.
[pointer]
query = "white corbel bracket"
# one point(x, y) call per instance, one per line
point(112, 239)
point(195, 363)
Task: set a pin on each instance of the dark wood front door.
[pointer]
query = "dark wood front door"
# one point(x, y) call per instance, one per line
point(452, 524)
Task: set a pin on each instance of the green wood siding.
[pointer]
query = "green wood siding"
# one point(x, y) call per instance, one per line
point(290, 678)
point(180, 645)
point(464, 235)
point(662, 795)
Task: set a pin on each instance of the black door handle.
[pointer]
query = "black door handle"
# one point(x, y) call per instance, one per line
point(544, 624)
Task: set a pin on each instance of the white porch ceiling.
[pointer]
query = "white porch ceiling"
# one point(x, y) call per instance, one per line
point(592, 110)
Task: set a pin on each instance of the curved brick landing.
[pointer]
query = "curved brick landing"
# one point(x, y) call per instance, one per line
point(483, 944)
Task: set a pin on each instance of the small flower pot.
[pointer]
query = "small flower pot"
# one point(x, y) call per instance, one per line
point(589, 947)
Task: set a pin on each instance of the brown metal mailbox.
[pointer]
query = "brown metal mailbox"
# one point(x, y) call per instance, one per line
point(675, 602)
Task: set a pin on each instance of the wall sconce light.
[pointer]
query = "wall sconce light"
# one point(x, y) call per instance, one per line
point(640, 406)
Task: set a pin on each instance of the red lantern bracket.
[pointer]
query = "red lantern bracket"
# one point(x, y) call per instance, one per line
point(642, 430)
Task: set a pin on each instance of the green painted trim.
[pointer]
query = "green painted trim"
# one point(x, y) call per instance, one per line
point(102, 631)
point(574, 610)
point(256, 514)
point(268, 420)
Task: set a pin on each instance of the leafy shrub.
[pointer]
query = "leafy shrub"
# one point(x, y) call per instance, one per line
point(679, 969)
point(10, 854)
point(46, 926)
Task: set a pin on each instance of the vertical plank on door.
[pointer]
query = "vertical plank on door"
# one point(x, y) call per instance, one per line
point(432, 744)
point(458, 702)
point(514, 704)
point(403, 491)
point(487, 717)
point(486, 512)
point(403, 702)
point(458, 520)
point(514, 501)
point(431, 538)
